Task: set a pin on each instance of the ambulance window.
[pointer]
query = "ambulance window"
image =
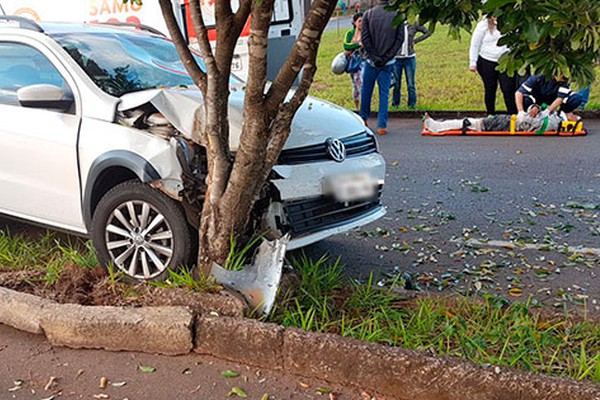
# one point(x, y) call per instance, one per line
point(283, 12)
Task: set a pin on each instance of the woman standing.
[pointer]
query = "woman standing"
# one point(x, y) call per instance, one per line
point(483, 58)
point(353, 44)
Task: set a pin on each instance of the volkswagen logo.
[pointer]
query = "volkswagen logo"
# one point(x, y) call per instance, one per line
point(336, 149)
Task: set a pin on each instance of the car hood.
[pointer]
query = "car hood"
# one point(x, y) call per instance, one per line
point(316, 120)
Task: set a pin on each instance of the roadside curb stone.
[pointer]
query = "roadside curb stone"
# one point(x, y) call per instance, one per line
point(241, 340)
point(417, 376)
point(160, 330)
point(22, 311)
point(391, 371)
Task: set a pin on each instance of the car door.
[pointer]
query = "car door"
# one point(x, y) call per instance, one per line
point(39, 178)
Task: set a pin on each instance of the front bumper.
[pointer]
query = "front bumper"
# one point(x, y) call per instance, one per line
point(301, 205)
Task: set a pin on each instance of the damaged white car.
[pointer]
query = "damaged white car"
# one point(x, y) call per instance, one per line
point(96, 128)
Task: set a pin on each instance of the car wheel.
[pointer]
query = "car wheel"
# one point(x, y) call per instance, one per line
point(141, 232)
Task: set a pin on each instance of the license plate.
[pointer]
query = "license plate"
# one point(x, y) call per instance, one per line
point(351, 187)
point(236, 63)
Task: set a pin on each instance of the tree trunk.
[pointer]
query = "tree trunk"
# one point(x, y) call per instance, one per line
point(234, 185)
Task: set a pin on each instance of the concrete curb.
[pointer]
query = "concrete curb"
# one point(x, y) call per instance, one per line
point(390, 371)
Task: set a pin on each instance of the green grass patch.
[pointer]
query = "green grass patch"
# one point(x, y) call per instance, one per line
point(46, 253)
point(488, 331)
point(443, 80)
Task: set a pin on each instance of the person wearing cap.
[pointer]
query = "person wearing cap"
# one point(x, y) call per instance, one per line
point(381, 41)
point(555, 93)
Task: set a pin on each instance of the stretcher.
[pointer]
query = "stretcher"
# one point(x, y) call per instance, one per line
point(567, 128)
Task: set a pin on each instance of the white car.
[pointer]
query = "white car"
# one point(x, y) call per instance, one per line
point(96, 139)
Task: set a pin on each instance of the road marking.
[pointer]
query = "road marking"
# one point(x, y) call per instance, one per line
point(510, 245)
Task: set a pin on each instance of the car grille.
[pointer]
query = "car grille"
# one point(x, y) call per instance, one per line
point(356, 145)
point(315, 214)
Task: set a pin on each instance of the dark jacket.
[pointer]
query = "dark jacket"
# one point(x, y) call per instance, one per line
point(412, 30)
point(544, 90)
point(380, 39)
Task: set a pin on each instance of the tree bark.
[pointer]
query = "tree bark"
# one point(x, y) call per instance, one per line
point(234, 184)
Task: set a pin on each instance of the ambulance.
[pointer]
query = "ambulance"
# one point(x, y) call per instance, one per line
point(286, 24)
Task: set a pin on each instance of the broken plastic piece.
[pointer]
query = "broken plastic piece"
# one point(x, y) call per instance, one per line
point(259, 282)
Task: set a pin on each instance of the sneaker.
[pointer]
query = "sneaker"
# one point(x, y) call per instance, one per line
point(381, 131)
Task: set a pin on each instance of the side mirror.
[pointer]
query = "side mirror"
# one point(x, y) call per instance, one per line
point(44, 96)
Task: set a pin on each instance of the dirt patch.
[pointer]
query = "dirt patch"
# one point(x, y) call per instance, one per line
point(93, 287)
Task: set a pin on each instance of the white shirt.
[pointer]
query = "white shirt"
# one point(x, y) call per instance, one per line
point(485, 44)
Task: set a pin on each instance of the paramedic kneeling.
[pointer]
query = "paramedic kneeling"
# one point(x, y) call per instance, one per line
point(555, 93)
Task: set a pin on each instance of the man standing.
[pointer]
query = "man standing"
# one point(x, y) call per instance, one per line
point(406, 60)
point(381, 42)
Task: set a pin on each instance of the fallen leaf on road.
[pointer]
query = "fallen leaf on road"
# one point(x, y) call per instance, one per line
point(79, 373)
point(239, 392)
point(101, 396)
point(323, 390)
point(18, 385)
point(197, 389)
point(51, 383)
point(304, 385)
point(515, 292)
point(146, 369)
point(103, 382)
point(265, 397)
point(118, 384)
point(229, 374)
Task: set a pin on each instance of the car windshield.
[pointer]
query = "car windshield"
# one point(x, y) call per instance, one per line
point(123, 62)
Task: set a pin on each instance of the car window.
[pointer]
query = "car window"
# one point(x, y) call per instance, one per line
point(125, 62)
point(22, 65)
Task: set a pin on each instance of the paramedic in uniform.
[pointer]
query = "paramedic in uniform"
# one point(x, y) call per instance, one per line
point(555, 93)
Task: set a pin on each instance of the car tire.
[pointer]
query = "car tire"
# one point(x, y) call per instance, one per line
point(141, 232)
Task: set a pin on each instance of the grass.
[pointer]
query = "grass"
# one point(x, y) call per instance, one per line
point(444, 81)
point(487, 331)
point(47, 253)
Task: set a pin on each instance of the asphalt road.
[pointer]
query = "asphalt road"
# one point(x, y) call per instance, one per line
point(534, 202)
point(538, 195)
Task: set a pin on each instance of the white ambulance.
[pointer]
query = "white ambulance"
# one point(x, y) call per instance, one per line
point(286, 24)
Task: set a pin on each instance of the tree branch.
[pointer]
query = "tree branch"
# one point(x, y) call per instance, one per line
point(281, 128)
point(202, 36)
point(308, 41)
point(190, 64)
point(242, 14)
point(262, 12)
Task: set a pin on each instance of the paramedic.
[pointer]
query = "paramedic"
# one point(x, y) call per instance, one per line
point(555, 93)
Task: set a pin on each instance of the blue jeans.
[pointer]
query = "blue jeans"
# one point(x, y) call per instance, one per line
point(585, 96)
point(409, 65)
point(383, 77)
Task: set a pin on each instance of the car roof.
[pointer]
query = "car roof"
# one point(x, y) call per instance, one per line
point(53, 28)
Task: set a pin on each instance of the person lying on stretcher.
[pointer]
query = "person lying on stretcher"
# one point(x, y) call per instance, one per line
point(535, 119)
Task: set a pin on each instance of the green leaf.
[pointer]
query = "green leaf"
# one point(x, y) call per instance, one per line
point(229, 374)
point(323, 390)
point(239, 392)
point(146, 369)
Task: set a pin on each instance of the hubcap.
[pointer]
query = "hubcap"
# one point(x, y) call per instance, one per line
point(139, 240)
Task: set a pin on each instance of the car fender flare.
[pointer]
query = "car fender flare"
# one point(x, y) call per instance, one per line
point(115, 158)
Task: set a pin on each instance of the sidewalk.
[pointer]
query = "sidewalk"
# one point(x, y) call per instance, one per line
point(31, 360)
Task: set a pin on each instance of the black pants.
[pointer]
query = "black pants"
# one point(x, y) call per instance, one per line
point(491, 77)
